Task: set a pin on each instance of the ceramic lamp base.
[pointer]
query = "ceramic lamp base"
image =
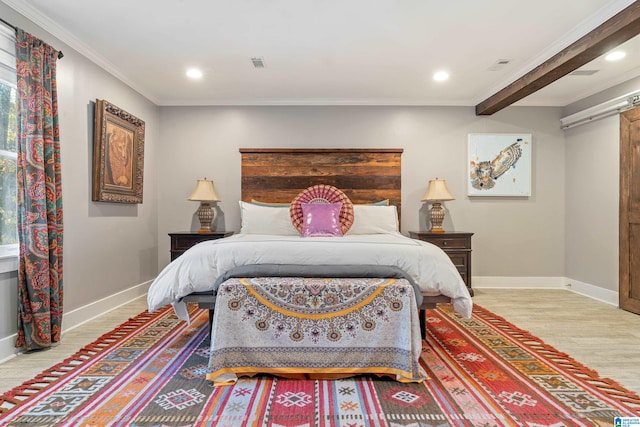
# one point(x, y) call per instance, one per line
point(437, 216)
point(205, 215)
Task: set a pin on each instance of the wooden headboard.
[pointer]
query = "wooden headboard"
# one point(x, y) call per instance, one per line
point(279, 174)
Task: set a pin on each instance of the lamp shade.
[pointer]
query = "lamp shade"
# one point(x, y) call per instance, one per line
point(204, 192)
point(437, 190)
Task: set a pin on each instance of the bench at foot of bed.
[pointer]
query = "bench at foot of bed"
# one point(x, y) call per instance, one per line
point(207, 300)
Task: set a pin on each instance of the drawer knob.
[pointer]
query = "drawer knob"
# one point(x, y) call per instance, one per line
point(444, 243)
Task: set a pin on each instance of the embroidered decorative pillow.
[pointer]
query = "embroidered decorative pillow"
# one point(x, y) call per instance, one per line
point(321, 194)
point(321, 219)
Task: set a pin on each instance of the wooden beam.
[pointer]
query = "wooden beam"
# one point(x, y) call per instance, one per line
point(623, 26)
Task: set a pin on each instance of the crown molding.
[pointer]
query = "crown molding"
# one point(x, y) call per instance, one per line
point(59, 32)
point(284, 102)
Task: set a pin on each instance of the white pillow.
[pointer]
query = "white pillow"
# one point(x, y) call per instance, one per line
point(257, 219)
point(370, 219)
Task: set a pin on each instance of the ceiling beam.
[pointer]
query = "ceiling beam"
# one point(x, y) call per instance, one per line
point(623, 26)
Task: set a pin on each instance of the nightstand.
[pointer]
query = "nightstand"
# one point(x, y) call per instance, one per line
point(456, 244)
point(183, 240)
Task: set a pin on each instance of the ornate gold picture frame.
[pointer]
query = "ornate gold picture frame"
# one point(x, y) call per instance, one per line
point(118, 155)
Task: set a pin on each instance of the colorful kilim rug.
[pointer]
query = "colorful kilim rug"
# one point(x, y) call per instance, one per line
point(483, 372)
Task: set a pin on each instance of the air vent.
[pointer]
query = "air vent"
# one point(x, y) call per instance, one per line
point(499, 64)
point(583, 72)
point(257, 62)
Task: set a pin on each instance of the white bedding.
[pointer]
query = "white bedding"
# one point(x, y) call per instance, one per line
point(198, 268)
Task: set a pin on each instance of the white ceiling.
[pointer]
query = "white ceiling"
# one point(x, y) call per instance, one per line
point(332, 52)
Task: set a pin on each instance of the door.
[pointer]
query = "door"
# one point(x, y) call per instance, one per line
point(629, 296)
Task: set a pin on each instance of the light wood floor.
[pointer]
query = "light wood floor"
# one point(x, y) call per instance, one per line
point(598, 335)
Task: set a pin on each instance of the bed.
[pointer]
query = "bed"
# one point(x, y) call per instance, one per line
point(321, 306)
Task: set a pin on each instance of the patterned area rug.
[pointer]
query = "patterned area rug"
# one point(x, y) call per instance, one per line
point(483, 372)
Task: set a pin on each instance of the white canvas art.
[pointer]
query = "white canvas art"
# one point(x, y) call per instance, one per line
point(499, 164)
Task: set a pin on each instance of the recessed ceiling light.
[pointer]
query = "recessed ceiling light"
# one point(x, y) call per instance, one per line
point(440, 76)
point(194, 73)
point(615, 56)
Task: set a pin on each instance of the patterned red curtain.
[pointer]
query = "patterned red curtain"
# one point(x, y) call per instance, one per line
point(40, 227)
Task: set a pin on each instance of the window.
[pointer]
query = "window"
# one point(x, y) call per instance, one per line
point(8, 143)
point(8, 158)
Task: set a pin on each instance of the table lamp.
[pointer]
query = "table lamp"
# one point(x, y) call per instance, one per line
point(205, 193)
point(437, 192)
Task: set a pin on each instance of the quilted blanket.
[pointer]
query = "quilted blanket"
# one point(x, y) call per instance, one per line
point(315, 327)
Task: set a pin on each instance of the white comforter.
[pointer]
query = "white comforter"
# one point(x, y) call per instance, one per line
point(198, 268)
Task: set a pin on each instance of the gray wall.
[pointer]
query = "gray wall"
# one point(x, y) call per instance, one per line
point(108, 248)
point(592, 182)
point(513, 236)
point(592, 197)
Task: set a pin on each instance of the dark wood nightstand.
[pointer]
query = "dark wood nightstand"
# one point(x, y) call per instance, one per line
point(183, 240)
point(457, 244)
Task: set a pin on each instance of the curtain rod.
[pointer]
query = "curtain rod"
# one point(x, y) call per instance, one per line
point(60, 54)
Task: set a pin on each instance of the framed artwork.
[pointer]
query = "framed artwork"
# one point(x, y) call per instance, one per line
point(118, 155)
point(499, 164)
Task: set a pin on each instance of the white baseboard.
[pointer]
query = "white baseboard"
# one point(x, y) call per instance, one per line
point(79, 316)
point(501, 282)
point(518, 282)
point(604, 295)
